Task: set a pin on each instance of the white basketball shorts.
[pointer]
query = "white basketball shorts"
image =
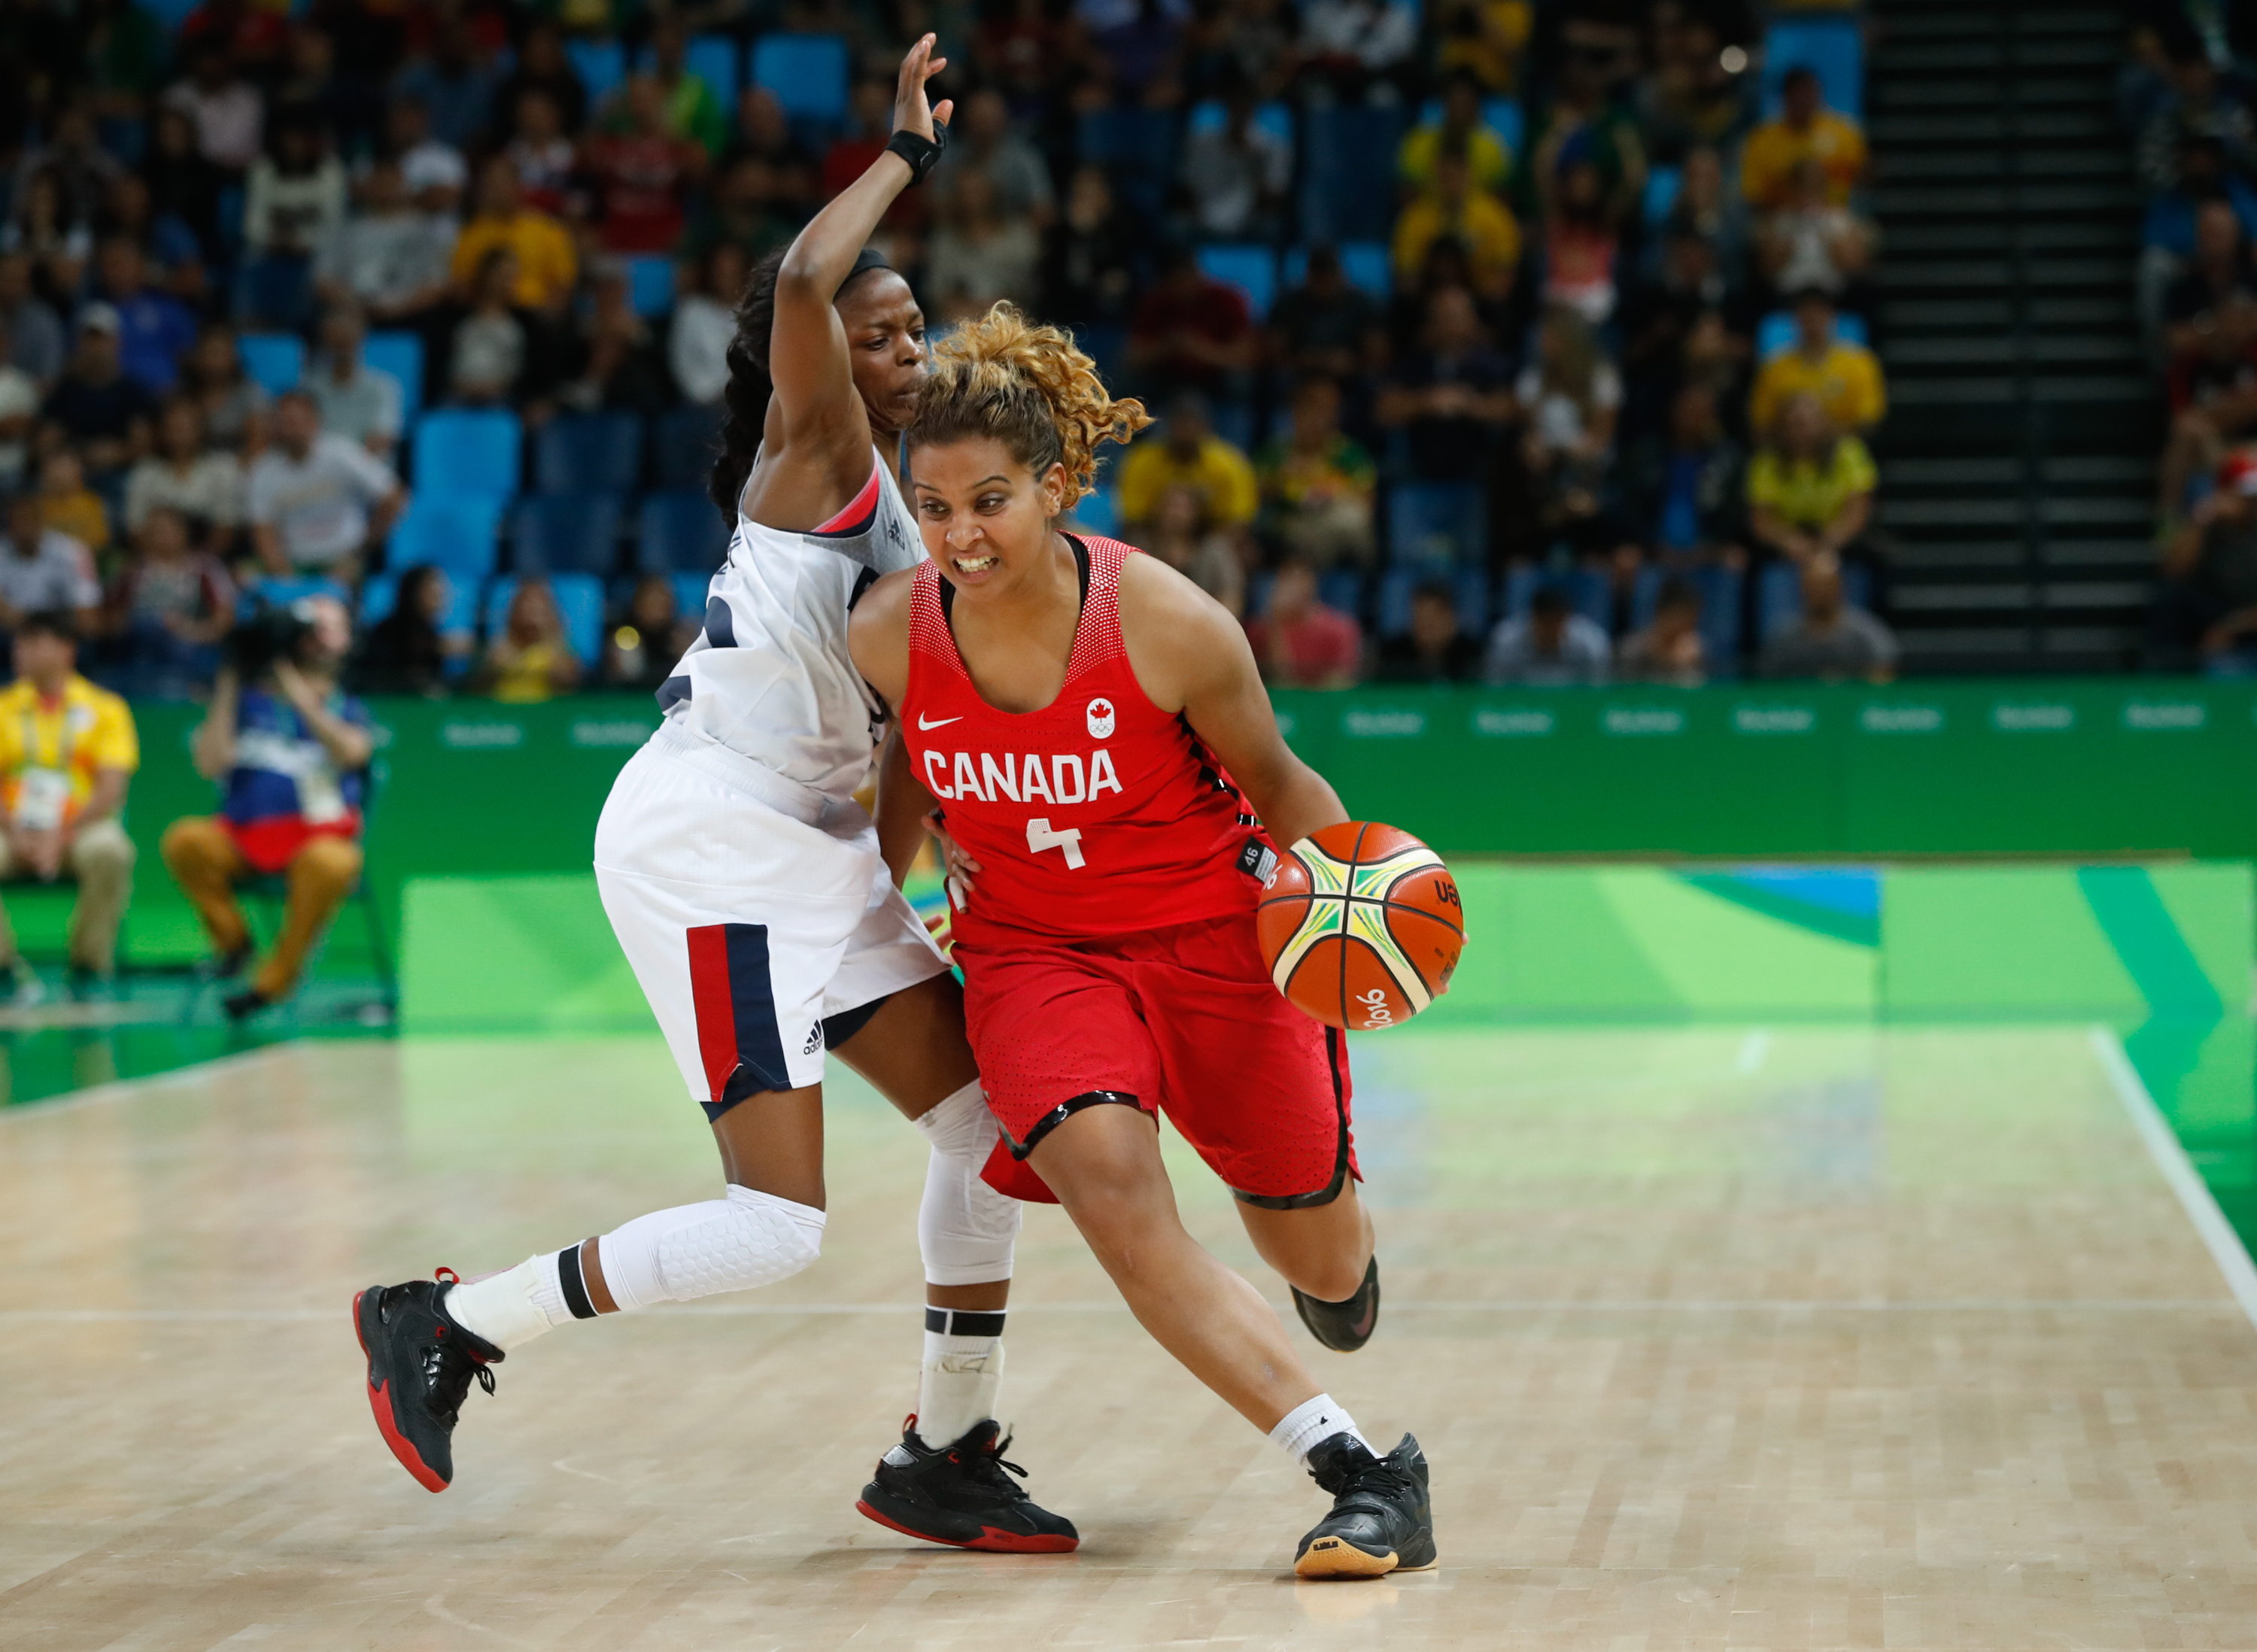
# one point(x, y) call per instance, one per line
point(750, 919)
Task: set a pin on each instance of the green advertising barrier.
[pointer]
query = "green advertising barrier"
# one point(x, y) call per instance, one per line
point(2092, 768)
point(2121, 943)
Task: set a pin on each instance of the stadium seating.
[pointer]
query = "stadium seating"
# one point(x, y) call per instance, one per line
point(1719, 591)
point(1366, 264)
point(1501, 115)
point(278, 592)
point(806, 72)
point(650, 284)
point(1589, 592)
point(1274, 118)
point(681, 533)
point(713, 58)
point(276, 361)
point(379, 595)
point(690, 594)
point(1469, 589)
point(579, 599)
point(683, 442)
point(458, 533)
point(1779, 595)
point(589, 453)
point(565, 534)
point(1251, 268)
point(601, 65)
point(461, 453)
point(1347, 178)
point(399, 354)
point(1775, 332)
point(1832, 47)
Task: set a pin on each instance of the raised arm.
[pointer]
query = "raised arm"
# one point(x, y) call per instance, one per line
point(1191, 656)
point(815, 397)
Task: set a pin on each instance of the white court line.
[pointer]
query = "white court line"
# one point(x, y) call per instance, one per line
point(127, 1089)
point(2217, 1234)
point(1528, 1305)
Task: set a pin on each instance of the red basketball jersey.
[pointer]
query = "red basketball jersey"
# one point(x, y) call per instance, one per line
point(1099, 814)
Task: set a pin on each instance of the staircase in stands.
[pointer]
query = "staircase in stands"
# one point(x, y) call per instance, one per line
point(2018, 458)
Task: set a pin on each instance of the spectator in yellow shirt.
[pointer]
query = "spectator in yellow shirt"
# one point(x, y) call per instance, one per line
point(1460, 130)
point(1477, 220)
point(1189, 455)
point(67, 751)
point(547, 265)
point(67, 505)
point(1810, 488)
point(1845, 378)
point(1805, 130)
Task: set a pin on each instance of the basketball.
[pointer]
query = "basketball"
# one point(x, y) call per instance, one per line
point(1360, 924)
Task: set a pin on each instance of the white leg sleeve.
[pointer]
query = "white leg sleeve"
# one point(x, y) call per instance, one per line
point(966, 1229)
point(745, 1240)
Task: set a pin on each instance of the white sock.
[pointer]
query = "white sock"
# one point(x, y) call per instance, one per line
point(1313, 1421)
point(963, 1373)
point(513, 1306)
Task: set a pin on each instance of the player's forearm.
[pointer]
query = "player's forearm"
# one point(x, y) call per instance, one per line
point(902, 805)
point(1294, 802)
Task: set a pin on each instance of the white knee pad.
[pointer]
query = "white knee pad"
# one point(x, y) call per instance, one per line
point(966, 1229)
point(738, 1243)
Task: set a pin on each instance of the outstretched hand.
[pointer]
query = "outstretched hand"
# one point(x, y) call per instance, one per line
point(912, 113)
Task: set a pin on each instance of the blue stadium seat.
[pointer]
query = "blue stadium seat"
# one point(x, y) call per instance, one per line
point(458, 533)
point(467, 453)
point(277, 361)
point(579, 599)
point(1779, 595)
point(589, 453)
point(1662, 184)
point(681, 533)
point(1366, 264)
point(1234, 422)
point(1099, 513)
point(169, 14)
point(379, 595)
point(1252, 270)
point(1472, 601)
point(1775, 333)
point(601, 65)
point(806, 72)
point(689, 592)
point(683, 441)
point(1136, 146)
point(280, 592)
point(399, 354)
point(566, 534)
point(1720, 610)
point(1275, 118)
point(1832, 47)
point(1347, 176)
point(1343, 588)
point(1470, 590)
point(650, 284)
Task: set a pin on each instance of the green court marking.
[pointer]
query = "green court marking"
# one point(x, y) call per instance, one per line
point(2148, 942)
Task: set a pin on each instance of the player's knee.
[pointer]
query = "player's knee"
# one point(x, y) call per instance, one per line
point(967, 1231)
point(1331, 1278)
point(740, 1243)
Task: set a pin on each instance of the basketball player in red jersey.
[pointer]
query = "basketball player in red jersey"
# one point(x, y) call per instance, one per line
point(1099, 749)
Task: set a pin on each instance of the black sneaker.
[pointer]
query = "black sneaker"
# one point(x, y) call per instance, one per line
point(959, 1495)
point(1345, 1326)
point(421, 1364)
point(1382, 1519)
point(241, 1006)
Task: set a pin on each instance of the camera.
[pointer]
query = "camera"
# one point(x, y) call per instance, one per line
point(268, 633)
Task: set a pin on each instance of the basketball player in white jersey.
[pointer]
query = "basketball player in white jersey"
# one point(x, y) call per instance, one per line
point(760, 905)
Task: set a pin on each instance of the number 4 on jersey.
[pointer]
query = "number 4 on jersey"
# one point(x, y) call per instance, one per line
point(1040, 837)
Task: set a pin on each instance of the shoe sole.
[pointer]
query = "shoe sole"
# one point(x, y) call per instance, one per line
point(990, 1541)
point(380, 1405)
point(1335, 1558)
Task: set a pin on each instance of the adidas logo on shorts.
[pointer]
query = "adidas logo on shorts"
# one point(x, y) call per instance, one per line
point(814, 1040)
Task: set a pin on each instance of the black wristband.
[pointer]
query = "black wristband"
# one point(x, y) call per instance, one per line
point(922, 154)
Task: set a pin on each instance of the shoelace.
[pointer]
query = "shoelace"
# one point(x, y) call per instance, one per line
point(447, 1375)
point(993, 1459)
point(1375, 1488)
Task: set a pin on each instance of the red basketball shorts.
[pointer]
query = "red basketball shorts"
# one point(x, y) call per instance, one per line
point(1182, 1019)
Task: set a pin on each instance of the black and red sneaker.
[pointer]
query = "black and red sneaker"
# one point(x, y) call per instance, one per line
point(420, 1365)
point(959, 1495)
point(1343, 1327)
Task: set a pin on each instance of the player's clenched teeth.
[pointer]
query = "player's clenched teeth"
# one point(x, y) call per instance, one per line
point(973, 564)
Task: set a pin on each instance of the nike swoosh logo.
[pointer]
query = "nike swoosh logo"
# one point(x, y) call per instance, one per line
point(940, 722)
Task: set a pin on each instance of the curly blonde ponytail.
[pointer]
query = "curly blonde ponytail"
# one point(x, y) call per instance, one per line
point(1029, 388)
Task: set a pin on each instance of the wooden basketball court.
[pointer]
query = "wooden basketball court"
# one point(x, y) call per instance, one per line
point(1716, 1338)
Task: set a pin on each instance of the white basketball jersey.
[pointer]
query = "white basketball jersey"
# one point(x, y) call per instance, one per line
point(769, 677)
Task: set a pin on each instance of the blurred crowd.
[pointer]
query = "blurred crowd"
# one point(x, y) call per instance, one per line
point(2191, 113)
point(1489, 338)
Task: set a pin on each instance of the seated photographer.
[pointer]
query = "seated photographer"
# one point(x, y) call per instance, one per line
point(290, 751)
point(67, 751)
